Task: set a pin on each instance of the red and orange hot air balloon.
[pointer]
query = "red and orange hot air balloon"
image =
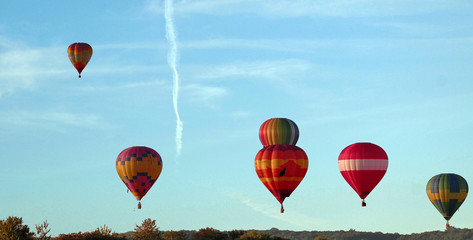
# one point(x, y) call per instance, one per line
point(281, 168)
point(79, 54)
point(138, 168)
point(363, 165)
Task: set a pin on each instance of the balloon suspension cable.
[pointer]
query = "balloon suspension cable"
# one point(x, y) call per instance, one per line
point(363, 204)
point(282, 208)
point(139, 205)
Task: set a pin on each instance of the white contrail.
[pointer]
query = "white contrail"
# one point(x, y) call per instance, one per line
point(172, 61)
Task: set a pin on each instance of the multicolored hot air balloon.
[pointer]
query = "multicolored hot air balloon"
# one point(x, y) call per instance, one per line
point(363, 165)
point(138, 168)
point(278, 131)
point(79, 54)
point(447, 192)
point(281, 168)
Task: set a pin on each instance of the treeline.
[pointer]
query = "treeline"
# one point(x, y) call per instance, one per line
point(450, 234)
point(12, 228)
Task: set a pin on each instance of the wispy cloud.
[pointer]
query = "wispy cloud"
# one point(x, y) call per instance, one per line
point(280, 74)
point(126, 85)
point(282, 45)
point(273, 70)
point(240, 114)
point(309, 8)
point(420, 29)
point(23, 66)
point(29, 118)
point(203, 94)
point(291, 217)
point(133, 45)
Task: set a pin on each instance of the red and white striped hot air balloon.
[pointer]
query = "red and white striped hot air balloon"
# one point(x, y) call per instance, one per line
point(363, 165)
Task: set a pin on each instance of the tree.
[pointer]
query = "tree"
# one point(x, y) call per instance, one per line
point(147, 231)
point(101, 233)
point(12, 228)
point(95, 235)
point(42, 231)
point(254, 235)
point(235, 234)
point(209, 234)
point(174, 235)
point(104, 230)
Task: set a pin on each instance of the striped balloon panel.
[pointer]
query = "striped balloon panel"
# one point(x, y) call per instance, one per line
point(363, 165)
point(79, 54)
point(138, 168)
point(278, 131)
point(447, 192)
point(281, 168)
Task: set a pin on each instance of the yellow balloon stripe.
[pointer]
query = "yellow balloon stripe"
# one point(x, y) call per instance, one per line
point(446, 195)
point(280, 179)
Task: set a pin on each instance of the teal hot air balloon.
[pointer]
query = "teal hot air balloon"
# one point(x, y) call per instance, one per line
point(447, 192)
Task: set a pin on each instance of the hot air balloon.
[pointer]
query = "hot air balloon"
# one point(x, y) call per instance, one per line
point(138, 168)
point(363, 165)
point(447, 192)
point(79, 54)
point(281, 168)
point(278, 131)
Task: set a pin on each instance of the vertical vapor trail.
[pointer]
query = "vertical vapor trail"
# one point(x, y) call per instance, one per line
point(172, 61)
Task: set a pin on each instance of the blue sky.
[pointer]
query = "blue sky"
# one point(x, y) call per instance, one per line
point(398, 74)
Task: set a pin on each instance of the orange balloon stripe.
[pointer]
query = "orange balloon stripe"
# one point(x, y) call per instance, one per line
point(277, 163)
point(283, 179)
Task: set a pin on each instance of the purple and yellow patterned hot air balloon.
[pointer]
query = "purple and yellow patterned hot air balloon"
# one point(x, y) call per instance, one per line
point(447, 191)
point(278, 131)
point(138, 168)
point(79, 54)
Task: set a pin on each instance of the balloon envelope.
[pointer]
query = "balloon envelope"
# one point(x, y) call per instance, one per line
point(79, 54)
point(278, 131)
point(447, 192)
point(138, 168)
point(281, 168)
point(363, 165)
